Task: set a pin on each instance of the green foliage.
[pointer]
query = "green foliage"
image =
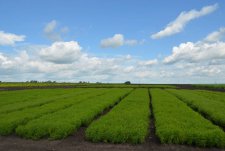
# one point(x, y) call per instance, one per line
point(127, 82)
point(36, 98)
point(64, 122)
point(10, 121)
point(178, 124)
point(126, 122)
point(212, 105)
point(11, 97)
point(210, 86)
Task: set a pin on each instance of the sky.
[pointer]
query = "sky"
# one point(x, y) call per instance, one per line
point(142, 41)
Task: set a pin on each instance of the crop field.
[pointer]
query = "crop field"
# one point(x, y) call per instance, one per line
point(193, 118)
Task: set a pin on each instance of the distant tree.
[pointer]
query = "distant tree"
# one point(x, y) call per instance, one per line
point(127, 82)
point(33, 81)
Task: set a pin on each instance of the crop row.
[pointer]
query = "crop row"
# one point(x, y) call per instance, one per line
point(11, 97)
point(127, 122)
point(64, 122)
point(212, 107)
point(9, 122)
point(212, 95)
point(39, 101)
point(178, 124)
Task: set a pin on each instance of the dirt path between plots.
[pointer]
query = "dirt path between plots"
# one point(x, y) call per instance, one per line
point(78, 143)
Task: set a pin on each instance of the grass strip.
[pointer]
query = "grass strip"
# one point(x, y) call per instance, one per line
point(11, 97)
point(210, 107)
point(176, 123)
point(63, 123)
point(212, 95)
point(42, 101)
point(8, 122)
point(127, 122)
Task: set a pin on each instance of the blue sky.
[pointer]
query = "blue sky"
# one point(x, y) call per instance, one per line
point(57, 40)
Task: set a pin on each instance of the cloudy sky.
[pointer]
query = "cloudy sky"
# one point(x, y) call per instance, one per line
point(144, 41)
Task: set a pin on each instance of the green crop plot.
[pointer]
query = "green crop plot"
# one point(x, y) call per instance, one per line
point(212, 107)
point(10, 121)
point(212, 95)
point(178, 124)
point(11, 97)
point(64, 122)
point(116, 115)
point(39, 100)
point(127, 122)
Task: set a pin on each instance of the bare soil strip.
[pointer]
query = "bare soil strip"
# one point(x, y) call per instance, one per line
point(77, 143)
point(153, 139)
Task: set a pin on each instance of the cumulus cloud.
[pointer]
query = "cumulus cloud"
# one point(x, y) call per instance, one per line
point(118, 40)
point(51, 32)
point(61, 52)
point(179, 23)
point(204, 70)
point(10, 39)
point(196, 52)
point(201, 61)
point(210, 48)
point(113, 42)
point(66, 61)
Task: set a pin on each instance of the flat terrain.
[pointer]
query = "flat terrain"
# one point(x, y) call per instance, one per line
point(124, 118)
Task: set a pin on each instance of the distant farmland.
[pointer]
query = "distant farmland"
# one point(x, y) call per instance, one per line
point(114, 114)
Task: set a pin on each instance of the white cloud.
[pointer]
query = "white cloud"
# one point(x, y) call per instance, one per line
point(190, 62)
point(50, 31)
point(61, 52)
point(65, 61)
point(216, 35)
point(204, 70)
point(5, 62)
point(196, 52)
point(211, 48)
point(50, 27)
point(179, 23)
point(148, 63)
point(10, 39)
point(113, 42)
point(118, 40)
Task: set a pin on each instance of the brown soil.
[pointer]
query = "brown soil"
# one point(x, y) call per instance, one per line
point(77, 142)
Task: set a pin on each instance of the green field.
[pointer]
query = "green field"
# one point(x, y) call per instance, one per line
point(116, 115)
point(210, 86)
